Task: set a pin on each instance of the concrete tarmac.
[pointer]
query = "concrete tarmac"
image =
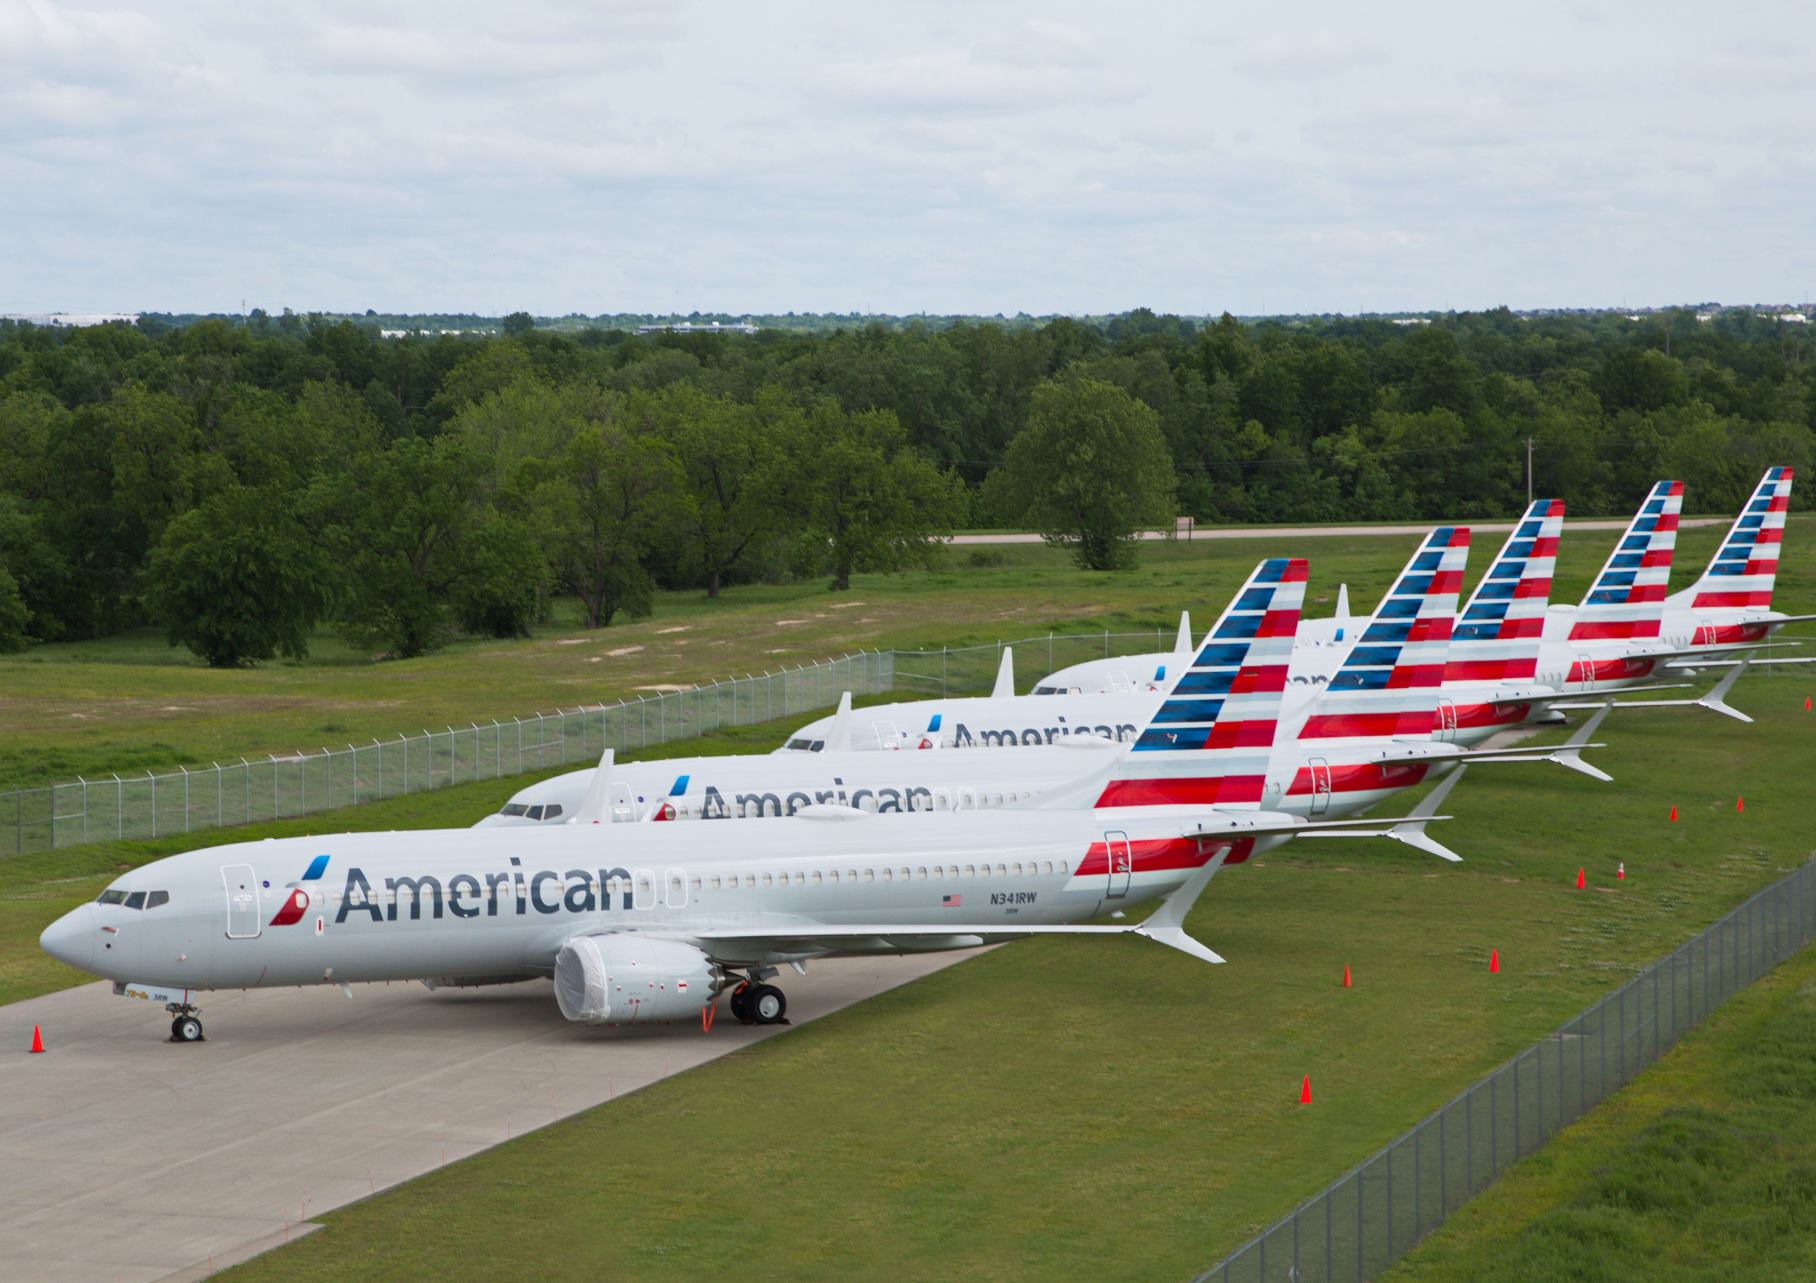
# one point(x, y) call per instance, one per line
point(132, 1158)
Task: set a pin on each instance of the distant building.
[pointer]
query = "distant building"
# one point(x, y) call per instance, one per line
point(1795, 318)
point(689, 327)
point(1412, 320)
point(71, 320)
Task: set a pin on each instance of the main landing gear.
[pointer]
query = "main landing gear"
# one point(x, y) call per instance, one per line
point(185, 1027)
point(755, 1003)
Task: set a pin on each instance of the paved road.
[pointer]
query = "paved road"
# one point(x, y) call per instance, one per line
point(1320, 532)
point(128, 1157)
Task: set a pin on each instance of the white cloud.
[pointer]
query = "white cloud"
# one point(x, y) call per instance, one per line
point(565, 154)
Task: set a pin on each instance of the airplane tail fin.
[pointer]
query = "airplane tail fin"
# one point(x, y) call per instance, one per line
point(1745, 567)
point(1627, 599)
point(1498, 635)
point(1207, 743)
point(1387, 686)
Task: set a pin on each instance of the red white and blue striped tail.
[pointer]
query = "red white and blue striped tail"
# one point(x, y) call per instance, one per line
point(1746, 565)
point(1498, 635)
point(1208, 742)
point(1627, 600)
point(1388, 685)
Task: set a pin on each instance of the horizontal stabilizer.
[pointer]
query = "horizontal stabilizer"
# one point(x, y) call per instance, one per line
point(1715, 701)
point(1408, 830)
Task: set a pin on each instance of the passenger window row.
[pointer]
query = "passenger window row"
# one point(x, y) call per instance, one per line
point(799, 878)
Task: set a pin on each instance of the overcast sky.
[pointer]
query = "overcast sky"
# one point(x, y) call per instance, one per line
point(942, 157)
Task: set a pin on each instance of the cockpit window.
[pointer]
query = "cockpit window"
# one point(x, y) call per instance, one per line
point(801, 745)
point(136, 900)
point(551, 812)
point(111, 897)
point(155, 898)
point(514, 808)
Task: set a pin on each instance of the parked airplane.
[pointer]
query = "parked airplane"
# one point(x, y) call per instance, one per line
point(746, 786)
point(1625, 631)
point(651, 922)
point(1339, 746)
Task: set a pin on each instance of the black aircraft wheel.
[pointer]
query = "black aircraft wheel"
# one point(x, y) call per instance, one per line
point(768, 1005)
point(740, 1003)
point(187, 1029)
point(176, 1029)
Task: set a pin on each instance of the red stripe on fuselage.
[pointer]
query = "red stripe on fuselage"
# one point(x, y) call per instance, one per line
point(1365, 725)
point(1489, 670)
point(1619, 631)
point(1731, 600)
point(1610, 670)
point(1198, 791)
point(1360, 777)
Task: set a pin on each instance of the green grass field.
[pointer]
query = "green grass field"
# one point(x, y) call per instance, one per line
point(1087, 1107)
point(132, 704)
point(1702, 1168)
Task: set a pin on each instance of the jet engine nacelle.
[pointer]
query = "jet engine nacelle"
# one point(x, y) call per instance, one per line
point(622, 978)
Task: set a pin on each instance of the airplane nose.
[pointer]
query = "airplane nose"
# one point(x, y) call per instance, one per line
point(71, 938)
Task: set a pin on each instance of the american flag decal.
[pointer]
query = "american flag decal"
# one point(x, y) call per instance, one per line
point(951, 901)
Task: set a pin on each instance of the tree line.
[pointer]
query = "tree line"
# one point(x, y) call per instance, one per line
point(243, 481)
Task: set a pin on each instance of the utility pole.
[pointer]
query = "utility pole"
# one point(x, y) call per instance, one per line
point(1529, 472)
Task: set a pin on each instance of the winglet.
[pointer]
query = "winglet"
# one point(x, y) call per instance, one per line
point(1182, 644)
point(1412, 833)
point(1717, 699)
point(598, 793)
point(1571, 753)
point(1166, 925)
point(838, 735)
point(1005, 675)
point(1342, 615)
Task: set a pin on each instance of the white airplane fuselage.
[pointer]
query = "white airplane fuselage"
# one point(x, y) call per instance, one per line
point(470, 904)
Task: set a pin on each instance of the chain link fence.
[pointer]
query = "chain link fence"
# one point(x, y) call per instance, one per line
point(291, 784)
point(1359, 1226)
point(298, 783)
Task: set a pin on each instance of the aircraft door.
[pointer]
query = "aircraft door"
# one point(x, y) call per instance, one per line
point(887, 736)
point(622, 806)
point(643, 892)
point(1320, 769)
point(1445, 727)
point(1583, 671)
point(1122, 863)
point(242, 889)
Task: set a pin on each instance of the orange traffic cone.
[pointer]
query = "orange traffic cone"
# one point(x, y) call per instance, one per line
point(1305, 1091)
point(1674, 813)
point(1620, 872)
point(37, 1039)
point(1579, 879)
point(1346, 983)
point(1494, 961)
point(1740, 804)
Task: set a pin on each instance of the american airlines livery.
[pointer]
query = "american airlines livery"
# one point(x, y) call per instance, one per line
point(642, 923)
point(1626, 631)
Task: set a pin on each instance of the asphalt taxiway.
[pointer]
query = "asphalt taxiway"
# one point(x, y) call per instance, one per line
point(132, 1158)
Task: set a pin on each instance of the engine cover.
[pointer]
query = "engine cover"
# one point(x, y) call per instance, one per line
point(625, 979)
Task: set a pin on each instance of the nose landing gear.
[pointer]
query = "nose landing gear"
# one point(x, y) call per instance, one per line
point(185, 1027)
